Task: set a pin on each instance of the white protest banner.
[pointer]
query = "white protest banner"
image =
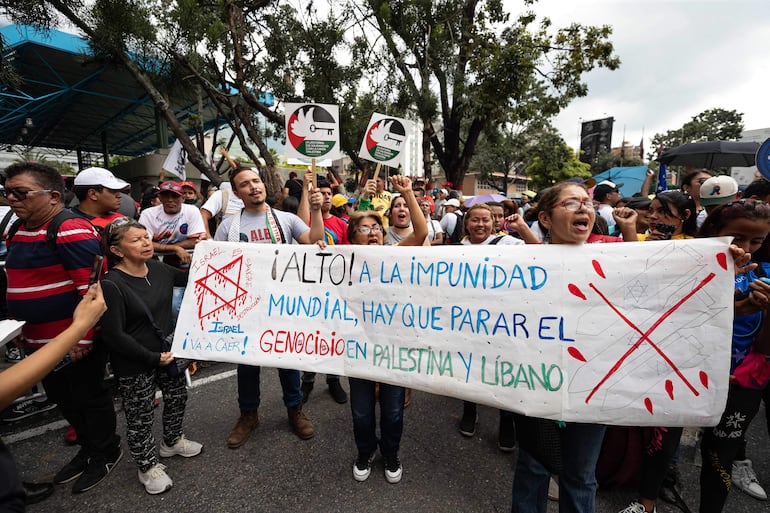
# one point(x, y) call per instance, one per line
point(627, 334)
point(385, 139)
point(176, 161)
point(312, 131)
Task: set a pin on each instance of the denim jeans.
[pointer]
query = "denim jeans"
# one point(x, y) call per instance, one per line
point(248, 387)
point(362, 404)
point(580, 447)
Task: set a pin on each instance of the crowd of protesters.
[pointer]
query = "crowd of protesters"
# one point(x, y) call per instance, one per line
point(142, 296)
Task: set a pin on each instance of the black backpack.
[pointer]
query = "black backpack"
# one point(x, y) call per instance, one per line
point(457, 234)
point(51, 232)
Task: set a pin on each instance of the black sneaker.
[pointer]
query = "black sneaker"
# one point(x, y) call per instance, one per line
point(26, 409)
point(468, 422)
point(506, 437)
point(307, 387)
point(363, 466)
point(338, 393)
point(393, 468)
point(73, 469)
point(98, 468)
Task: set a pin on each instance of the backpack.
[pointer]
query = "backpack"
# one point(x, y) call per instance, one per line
point(457, 233)
point(51, 232)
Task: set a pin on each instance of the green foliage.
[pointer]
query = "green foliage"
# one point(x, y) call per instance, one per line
point(709, 125)
point(605, 161)
point(468, 67)
point(551, 161)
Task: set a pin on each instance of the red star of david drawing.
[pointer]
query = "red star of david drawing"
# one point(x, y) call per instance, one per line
point(220, 288)
point(644, 335)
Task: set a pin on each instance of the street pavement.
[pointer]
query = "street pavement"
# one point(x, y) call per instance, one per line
point(276, 472)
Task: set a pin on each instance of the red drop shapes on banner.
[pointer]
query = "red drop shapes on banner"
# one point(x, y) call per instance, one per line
point(704, 379)
point(575, 353)
point(722, 259)
point(648, 404)
point(670, 389)
point(575, 291)
point(598, 268)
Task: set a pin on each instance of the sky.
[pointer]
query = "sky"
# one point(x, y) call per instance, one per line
point(678, 59)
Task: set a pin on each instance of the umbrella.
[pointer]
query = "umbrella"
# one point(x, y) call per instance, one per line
point(485, 198)
point(711, 154)
point(631, 177)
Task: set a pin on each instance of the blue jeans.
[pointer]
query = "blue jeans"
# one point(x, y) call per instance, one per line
point(248, 387)
point(362, 404)
point(580, 447)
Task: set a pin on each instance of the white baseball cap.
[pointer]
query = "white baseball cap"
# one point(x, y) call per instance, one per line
point(100, 176)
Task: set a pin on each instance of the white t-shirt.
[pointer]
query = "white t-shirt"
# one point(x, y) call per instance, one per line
point(505, 240)
point(605, 211)
point(186, 224)
point(254, 227)
point(434, 228)
point(214, 203)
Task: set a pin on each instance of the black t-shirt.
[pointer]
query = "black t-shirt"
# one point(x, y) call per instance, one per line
point(295, 188)
point(127, 332)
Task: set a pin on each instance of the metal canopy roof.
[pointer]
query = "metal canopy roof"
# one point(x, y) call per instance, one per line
point(68, 100)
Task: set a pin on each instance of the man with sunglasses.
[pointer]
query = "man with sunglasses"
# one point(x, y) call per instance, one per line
point(44, 287)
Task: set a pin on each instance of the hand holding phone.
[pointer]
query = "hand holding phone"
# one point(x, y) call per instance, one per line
point(96, 270)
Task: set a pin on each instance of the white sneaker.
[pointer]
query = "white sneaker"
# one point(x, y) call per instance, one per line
point(182, 447)
point(636, 507)
point(746, 480)
point(155, 480)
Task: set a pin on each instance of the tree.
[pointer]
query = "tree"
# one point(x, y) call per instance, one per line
point(709, 125)
point(551, 161)
point(481, 65)
point(608, 160)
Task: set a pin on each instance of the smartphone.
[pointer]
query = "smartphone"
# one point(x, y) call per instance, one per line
point(666, 229)
point(96, 270)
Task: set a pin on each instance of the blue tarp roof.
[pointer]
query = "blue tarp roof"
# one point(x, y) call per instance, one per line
point(73, 101)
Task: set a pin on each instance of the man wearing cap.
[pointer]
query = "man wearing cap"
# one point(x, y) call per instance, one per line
point(717, 190)
point(341, 206)
point(99, 195)
point(190, 193)
point(173, 226)
point(451, 219)
point(607, 194)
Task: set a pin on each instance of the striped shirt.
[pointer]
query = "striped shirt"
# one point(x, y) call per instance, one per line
point(44, 287)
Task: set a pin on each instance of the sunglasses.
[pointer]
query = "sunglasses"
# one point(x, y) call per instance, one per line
point(21, 195)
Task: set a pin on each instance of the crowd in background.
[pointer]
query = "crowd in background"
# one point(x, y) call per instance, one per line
point(60, 231)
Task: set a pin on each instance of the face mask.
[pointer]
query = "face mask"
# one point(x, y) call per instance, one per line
point(190, 201)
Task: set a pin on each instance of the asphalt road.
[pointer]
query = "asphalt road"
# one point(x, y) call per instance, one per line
point(277, 472)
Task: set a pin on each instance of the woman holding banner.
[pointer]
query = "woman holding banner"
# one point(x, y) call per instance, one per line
point(366, 228)
point(478, 227)
point(566, 214)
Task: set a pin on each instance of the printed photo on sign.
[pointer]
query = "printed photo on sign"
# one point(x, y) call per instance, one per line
point(385, 140)
point(312, 131)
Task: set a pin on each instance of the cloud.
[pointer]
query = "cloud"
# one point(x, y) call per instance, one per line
point(679, 58)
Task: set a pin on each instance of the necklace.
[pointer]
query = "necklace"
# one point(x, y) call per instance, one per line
point(121, 268)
